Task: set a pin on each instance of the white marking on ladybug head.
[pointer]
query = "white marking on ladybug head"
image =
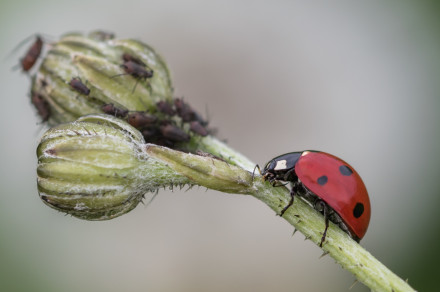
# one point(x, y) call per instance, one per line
point(281, 164)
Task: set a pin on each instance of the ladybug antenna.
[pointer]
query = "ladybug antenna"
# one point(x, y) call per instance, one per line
point(259, 170)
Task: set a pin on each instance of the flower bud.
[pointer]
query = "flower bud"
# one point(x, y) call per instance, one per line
point(81, 73)
point(97, 168)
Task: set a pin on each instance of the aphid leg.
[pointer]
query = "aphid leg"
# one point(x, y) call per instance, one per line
point(118, 75)
point(134, 88)
point(149, 88)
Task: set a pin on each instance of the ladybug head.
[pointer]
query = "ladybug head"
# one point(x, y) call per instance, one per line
point(281, 167)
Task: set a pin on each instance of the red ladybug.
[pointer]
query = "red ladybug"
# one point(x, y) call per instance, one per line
point(330, 184)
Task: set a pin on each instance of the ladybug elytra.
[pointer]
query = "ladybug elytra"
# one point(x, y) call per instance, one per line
point(329, 184)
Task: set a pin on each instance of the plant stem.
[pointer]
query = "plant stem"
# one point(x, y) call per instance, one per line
point(348, 253)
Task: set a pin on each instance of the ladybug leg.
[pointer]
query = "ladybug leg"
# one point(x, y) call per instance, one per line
point(292, 198)
point(274, 183)
point(322, 207)
point(287, 175)
point(292, 192)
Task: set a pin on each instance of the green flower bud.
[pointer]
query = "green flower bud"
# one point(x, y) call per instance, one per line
point(97, 168)
point(100, 63)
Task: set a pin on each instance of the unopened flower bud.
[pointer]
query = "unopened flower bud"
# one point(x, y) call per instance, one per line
point(80, 74)
point(97, 168)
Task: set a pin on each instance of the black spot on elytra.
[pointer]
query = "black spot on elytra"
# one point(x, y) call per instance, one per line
point(358, 210)
point(322, 180)
point(345, 170)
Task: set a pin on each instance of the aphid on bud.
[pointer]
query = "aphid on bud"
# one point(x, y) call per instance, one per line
point(80, 87)
point(29, 60)
point(197, 128)
point(174, 133)
point(199, 119)
point(164, 142)
point(110, 109)
point(187, 114)
point(43, 83)
point(41, 105)
point(150, 134)
point(136, 70)
point(166, 108)
point(127, 58)
point(140, 120)
point(184, 110)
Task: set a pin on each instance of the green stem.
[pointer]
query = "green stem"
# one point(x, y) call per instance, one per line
point(214, 146)
point(347, 252)
point(225, 177)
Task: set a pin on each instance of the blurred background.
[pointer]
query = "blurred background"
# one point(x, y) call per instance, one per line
point(359, 79)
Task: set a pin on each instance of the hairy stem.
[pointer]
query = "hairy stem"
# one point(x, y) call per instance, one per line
point(228, 178)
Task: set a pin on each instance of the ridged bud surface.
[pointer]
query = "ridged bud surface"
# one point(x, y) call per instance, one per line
point(97, 168)
point(126, 73)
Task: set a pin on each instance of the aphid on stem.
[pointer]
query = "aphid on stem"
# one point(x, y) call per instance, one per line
point(174, 133)
point(197, 128)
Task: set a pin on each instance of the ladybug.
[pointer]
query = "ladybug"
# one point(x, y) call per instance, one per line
point(329, 184)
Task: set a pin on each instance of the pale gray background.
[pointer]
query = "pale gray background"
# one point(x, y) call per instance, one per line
point(359, 79)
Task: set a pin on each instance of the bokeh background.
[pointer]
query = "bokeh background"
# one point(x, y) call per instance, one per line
point(359, 79)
